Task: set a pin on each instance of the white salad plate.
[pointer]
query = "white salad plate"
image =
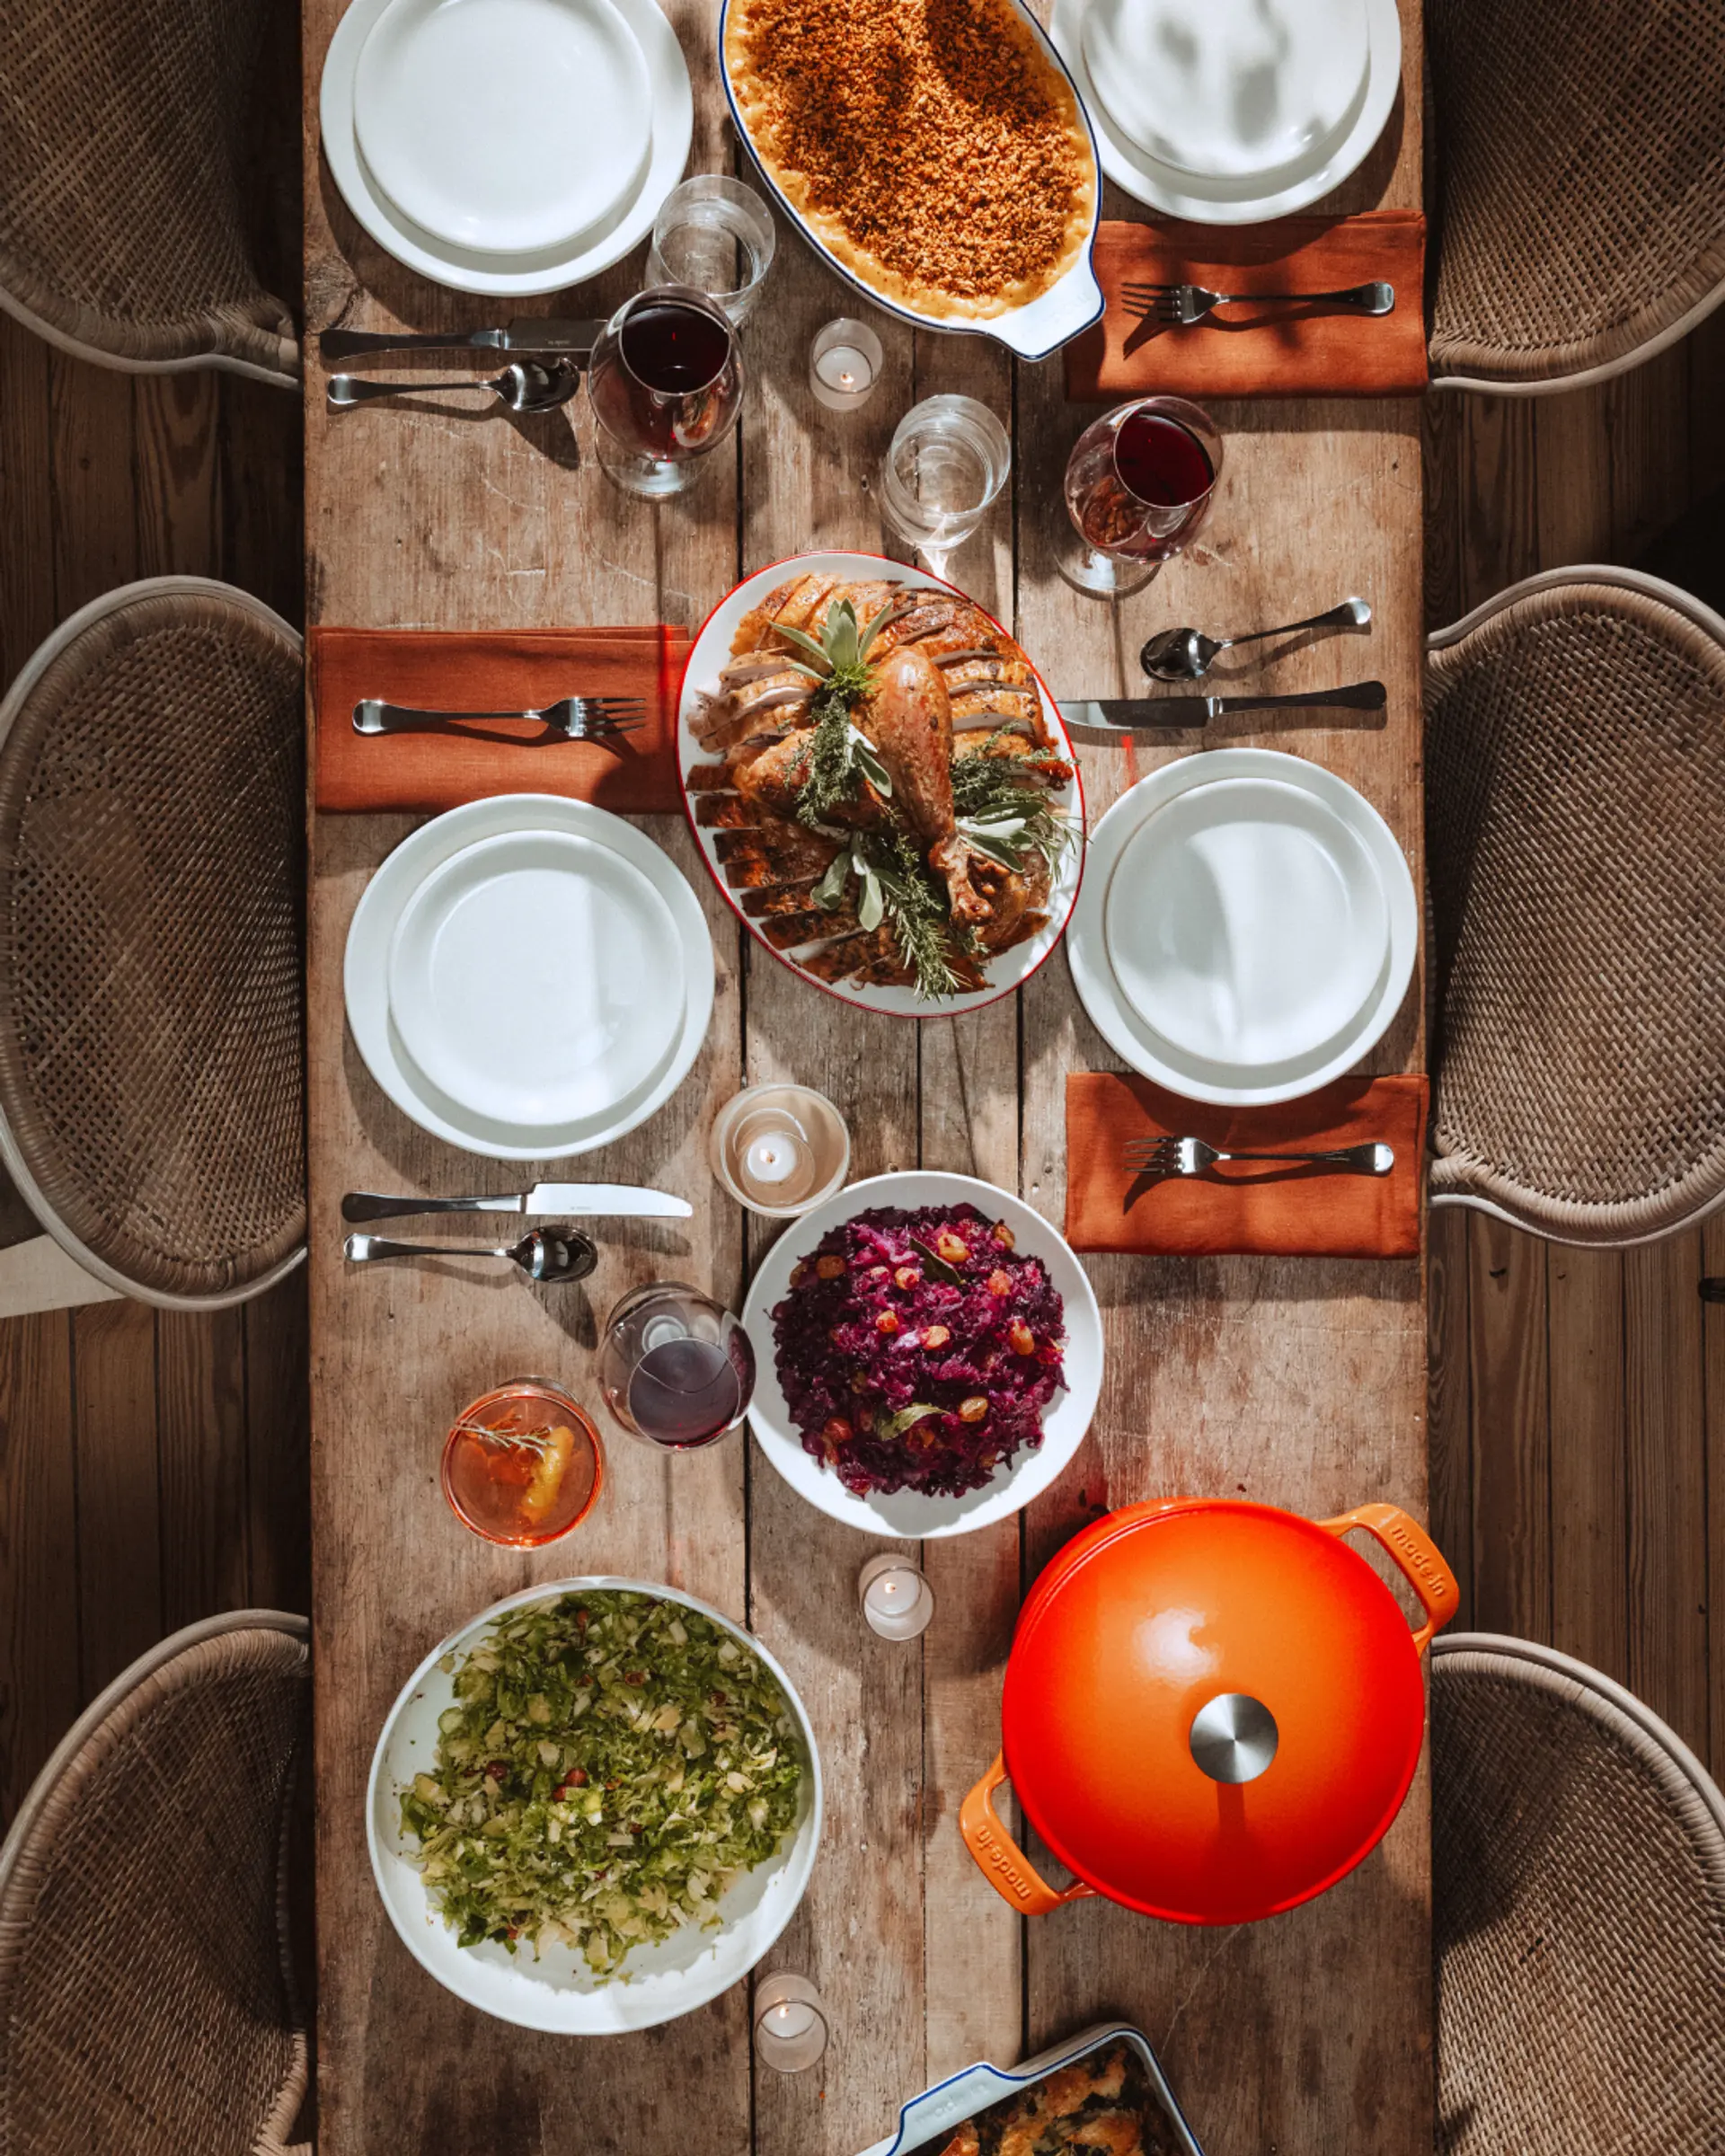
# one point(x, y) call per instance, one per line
point(909, 1513)
point(569, 260)
point(707, 656)
point(1200, 952)
point(523, 819)
point(503, 126)
point(515, 979)
point(557, 1992)
point(1246, 923)
point(1235, 82)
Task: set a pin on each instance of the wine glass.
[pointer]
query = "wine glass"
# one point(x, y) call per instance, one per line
point(1139, 483)
point(676, 1368)
point(665, 382)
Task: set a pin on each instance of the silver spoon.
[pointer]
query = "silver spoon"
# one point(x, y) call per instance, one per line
point(1183, 655)
point(524, 386)
point(541, 1257)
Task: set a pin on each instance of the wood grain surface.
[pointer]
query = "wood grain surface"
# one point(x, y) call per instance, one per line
point(1298, 1382)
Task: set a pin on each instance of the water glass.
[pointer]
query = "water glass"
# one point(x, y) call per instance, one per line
point(947, 461)
point(715, 235)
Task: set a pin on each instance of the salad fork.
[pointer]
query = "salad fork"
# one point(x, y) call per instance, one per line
point(578, 718)
point(1193, 1156)
point(1186, 304)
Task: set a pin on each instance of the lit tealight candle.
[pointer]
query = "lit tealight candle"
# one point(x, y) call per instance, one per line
point(790, 2023)
point(772, 1156)
point(897, 1601)
point(844, 363)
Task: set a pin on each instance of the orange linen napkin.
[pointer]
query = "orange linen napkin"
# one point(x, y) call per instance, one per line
point(1258, 352)
point(494, 670)
point(1252, 1206)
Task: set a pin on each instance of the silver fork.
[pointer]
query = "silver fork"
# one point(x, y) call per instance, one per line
point(578, 718)
point(1193, 1156)
point(1188, 304)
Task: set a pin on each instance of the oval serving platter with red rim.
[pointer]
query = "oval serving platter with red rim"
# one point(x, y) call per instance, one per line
point(1008, 969)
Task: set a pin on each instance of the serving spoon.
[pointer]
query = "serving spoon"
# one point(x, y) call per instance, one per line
point(541, 1257)
point(1185, 655)
point(524, 386)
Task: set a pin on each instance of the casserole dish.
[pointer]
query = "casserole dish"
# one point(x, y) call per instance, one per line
point(927, 2122)
point(1040, 326)
point(1213, 1709)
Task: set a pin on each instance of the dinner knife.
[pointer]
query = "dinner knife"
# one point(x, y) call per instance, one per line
point(1138, 714)
point(526, 333)
point(591, 1199)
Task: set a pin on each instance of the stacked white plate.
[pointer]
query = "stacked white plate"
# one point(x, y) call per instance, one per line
point(528, 977)
point(1232, 112)
point(1246, 929)
point(506, 145)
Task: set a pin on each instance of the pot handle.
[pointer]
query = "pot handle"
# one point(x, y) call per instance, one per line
point(1421, 1561)
point(1008, 1871)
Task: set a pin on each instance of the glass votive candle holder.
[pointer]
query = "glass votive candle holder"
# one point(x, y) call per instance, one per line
point(523, 1464)
point(896, 1601)
point(790, 2030)
point(779, 1149)
point(844, 364)
point(716, 234)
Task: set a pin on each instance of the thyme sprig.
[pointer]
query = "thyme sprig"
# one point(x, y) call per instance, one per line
point(838, 750)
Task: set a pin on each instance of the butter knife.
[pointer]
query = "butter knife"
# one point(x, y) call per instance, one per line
point(589, 1199)
point(1138, 714)
point(526, 333)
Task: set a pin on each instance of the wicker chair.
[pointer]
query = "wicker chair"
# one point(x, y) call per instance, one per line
point(128, 148)
point(1575, 836)
point(147, 1996)
point(152, 852)
point(1578, 1884)
point(1579, 155)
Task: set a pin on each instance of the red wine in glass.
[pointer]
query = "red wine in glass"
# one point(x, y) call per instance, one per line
point(685, 1392)
point(666, 385)
point(676, 1368)
point(1139, 484)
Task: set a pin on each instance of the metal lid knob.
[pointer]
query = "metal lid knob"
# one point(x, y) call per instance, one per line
point(1233, 1738)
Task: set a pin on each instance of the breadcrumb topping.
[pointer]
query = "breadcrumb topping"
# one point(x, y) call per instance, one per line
point(932, 133)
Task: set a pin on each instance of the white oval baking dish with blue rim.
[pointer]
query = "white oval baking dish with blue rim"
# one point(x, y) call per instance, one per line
point(927, 2120)
point(1053, 318)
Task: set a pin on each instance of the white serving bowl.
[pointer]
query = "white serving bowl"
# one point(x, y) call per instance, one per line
point(558, 1993)
point(905, 1513)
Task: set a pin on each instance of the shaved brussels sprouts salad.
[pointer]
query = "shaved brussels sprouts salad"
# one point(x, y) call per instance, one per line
point(611, 1766)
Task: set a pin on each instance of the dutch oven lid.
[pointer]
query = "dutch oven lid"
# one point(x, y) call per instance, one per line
point(1213, 1709)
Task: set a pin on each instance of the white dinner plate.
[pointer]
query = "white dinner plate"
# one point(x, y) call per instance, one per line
point(556, 1991)
point(1148, 1051)
point(516, 974)
point(1009, 969)
point(548, 270)
point(1246, 923)
point(1229, 89)
point(366, 975)
point(907, 1512)
point(504, 126)
point(1248, 198)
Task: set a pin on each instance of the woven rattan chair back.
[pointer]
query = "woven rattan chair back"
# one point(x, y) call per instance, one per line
point(1580, 150)
point(146, 2000)
point(1579, 1899)
point(128, 151)
point(1575, 838)
point(152, 849)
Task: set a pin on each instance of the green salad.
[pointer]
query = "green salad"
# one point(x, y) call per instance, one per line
point(612, 1763)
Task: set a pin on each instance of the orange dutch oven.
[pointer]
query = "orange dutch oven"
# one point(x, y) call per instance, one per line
point(1213, 1709)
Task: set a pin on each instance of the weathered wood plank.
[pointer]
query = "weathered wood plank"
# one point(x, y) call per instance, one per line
point(119, 1541)
point(200, 1440)
point(1590, 1577)
point(39, 1681)
point(1449, 1393)
point(277, 1435)
point(1512, 1483)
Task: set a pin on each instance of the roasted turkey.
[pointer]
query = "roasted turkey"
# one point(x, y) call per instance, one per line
point(944, 684)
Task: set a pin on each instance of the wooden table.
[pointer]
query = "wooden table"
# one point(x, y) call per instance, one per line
point(1298, 1382)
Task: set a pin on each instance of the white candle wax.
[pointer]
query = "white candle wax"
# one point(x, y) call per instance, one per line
point(844, 367)
point(897, 1601)
point(772, 1156)
point(788, 2020)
